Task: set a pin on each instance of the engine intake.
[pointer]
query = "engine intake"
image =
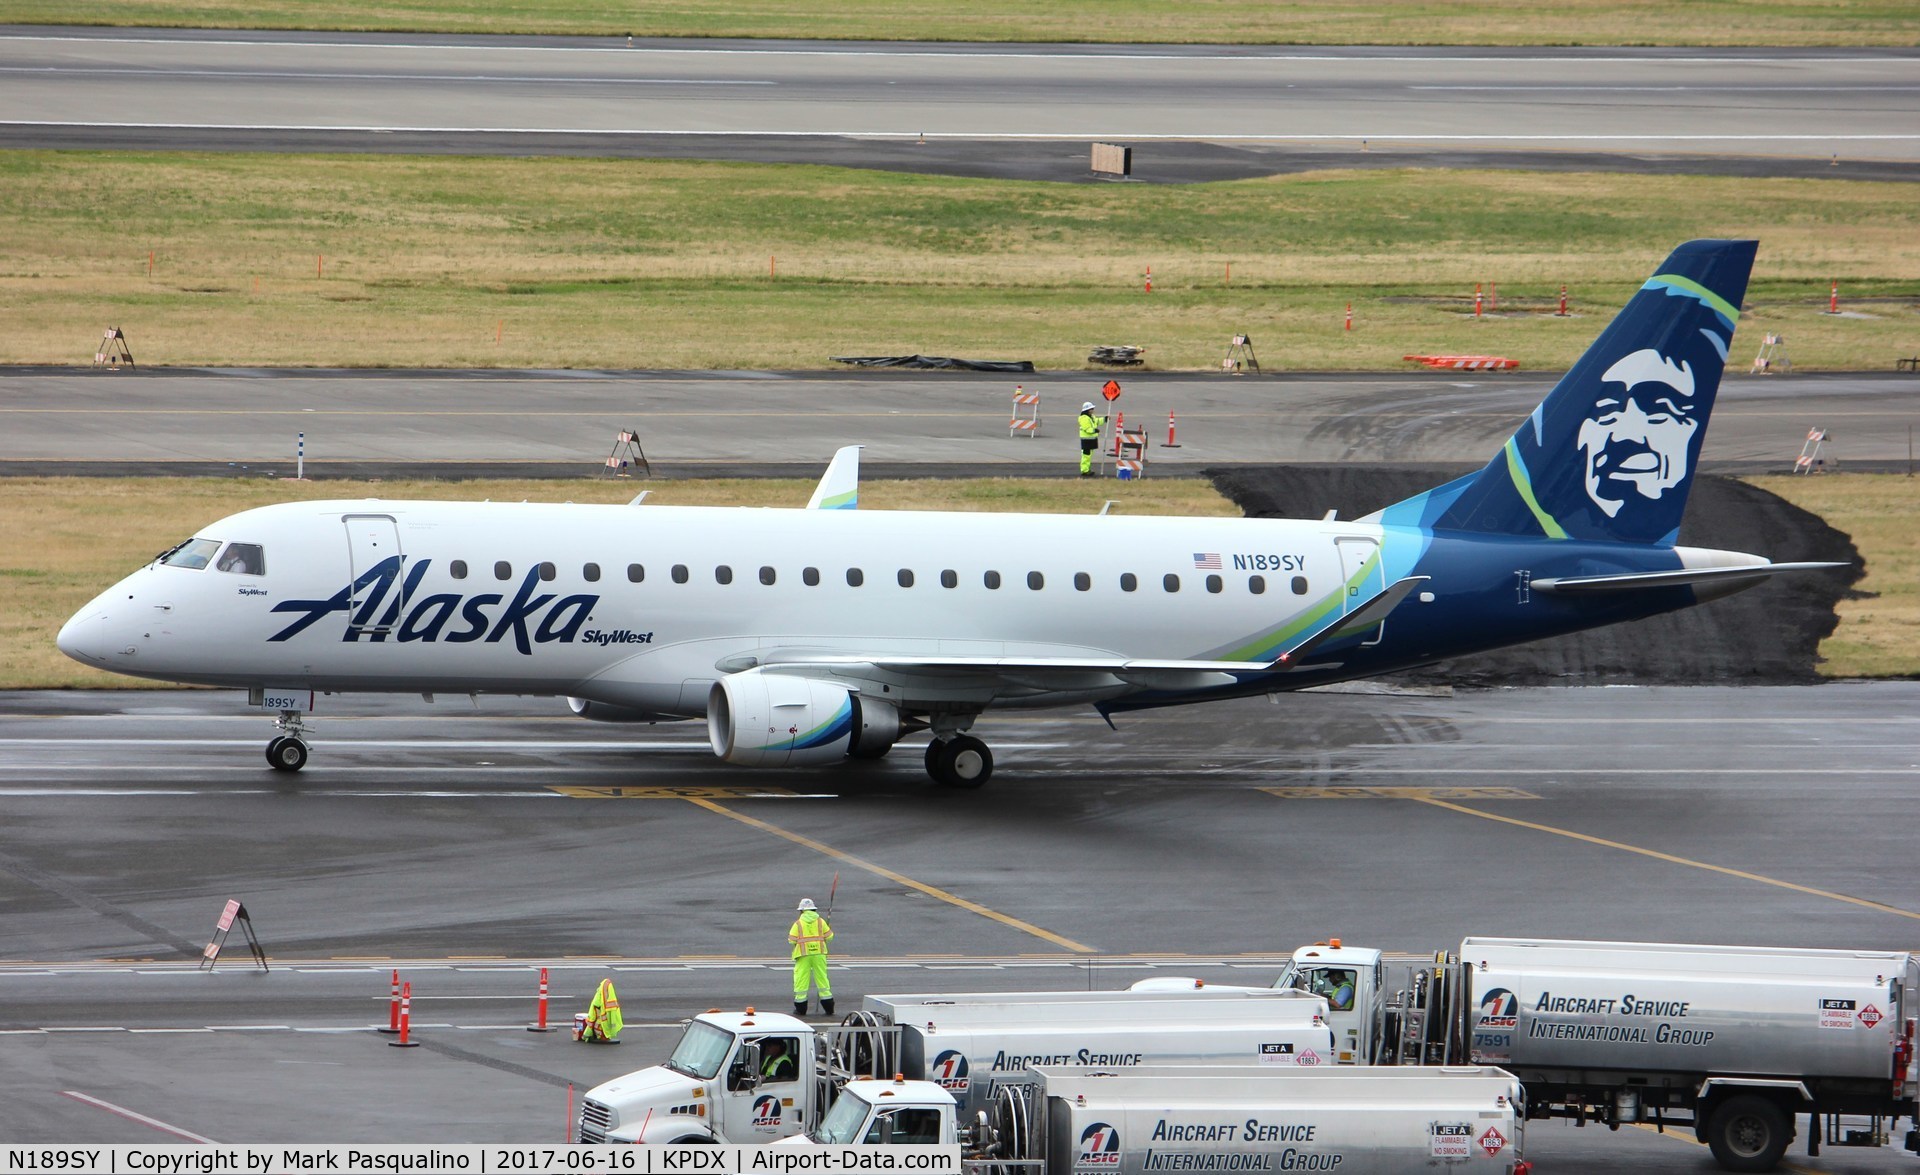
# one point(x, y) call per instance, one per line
point(759, 719)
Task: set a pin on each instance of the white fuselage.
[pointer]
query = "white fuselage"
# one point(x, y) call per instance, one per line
point(648, 605)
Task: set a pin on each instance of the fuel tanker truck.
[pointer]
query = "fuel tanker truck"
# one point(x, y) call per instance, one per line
point(1734, 1042)
point(718, 1085)
point(1199, 1118)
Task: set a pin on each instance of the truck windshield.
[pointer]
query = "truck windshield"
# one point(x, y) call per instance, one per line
point(701, 1051)
point(843, 1122)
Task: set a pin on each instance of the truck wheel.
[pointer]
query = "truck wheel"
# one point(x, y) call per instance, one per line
point(1748, 1133)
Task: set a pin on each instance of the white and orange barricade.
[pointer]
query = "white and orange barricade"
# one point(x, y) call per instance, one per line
point(1772, 357)
point(1809, 460)
point(1465, 362)
point(1130, 454)
point(1026, 413)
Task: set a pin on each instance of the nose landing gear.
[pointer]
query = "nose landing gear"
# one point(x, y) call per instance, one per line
point(288, 750)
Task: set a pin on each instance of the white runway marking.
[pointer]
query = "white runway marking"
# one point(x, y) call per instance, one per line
point(1221, 136)
point(302, 75)
point(1242, 53)
point(131, 1116)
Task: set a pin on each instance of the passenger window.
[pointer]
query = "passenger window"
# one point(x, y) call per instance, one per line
point(636, 573)
point(904, 577)
point(811, 577)
point(723, 574)
point(679, 573)
point(1171, 582)
point(503, 570)
point(591, 573)
point(457, 568)
point(243, 559)
point(1082, 582)
point(1129, 581)
point(1299, 585)
point(855, 577)
point(1036, 581)
point(1214, 584)
point(548, 571)
point(1256, 585)
point(949, 578)
point(992, 580)
point(194, 554)
point(766, 576)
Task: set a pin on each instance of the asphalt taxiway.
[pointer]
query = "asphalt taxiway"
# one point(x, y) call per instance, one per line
point(970, 109)
point(551, 423)
point(468, 843)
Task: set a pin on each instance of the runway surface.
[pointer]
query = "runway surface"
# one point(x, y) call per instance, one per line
point(468, 844)
point(279, 91)
point(237, 421)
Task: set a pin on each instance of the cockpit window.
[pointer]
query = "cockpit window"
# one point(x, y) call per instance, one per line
point(243, 559)
point(193, 554)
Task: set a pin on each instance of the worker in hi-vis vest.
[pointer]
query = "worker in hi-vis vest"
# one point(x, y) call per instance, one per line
point(1089, 437)
point(810, 935)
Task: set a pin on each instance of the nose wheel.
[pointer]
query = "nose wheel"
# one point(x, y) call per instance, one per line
point(962, 761)
point(288, 750)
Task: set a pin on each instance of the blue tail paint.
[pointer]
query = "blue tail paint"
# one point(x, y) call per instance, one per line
point(1609, 455)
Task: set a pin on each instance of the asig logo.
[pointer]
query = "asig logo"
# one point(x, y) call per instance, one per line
point(950, 1071)
point(1499, 1008)
point(1099, 1148)
point(377, 612)
point(766, 1110)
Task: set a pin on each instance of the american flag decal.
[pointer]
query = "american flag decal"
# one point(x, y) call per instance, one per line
point(1210, 561)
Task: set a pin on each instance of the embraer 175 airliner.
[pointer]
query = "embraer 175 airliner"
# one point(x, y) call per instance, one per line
point(804, 636)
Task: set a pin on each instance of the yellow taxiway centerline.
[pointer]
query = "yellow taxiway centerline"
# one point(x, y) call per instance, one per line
point(882, 871)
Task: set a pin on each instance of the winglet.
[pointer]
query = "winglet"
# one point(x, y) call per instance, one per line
point(1359, 620)
point(839, 487)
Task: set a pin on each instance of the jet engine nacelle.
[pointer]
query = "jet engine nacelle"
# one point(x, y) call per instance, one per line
point(606, 712)
point(759, 719)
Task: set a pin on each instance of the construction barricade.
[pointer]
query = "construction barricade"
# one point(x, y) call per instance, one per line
point(1026, 413)
point(1464, 362)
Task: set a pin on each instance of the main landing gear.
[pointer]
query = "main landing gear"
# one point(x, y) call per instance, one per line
point(958, 760)
point(288, 750)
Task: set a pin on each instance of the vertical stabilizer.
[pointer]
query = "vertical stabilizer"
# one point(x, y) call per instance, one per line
point(1610, 453)
point(839, 487)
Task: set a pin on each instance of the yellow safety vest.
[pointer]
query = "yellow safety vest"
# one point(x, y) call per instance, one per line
point(809, 934)
point(1089, 427)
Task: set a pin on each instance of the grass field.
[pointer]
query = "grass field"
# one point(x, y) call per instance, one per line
point(1879, 633)
point(1320, 22)
point(73, 537)
point(401, 261)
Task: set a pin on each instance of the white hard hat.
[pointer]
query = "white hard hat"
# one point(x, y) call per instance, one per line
point(1087, 407)
point(806, 904)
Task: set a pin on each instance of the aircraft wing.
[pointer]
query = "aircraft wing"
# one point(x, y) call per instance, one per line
point(1685, 576)
point(1077, 672)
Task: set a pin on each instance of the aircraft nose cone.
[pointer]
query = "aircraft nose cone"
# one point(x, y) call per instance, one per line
point(84, 638)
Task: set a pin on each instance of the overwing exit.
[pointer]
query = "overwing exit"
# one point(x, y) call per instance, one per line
point(802, 637)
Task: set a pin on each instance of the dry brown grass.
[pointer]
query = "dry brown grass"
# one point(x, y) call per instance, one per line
point(72, 538)
point(1387, 22)
point(1879, 632)
point(623, 263)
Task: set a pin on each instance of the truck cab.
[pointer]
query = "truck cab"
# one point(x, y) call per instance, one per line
point(724, 1083)
point(1351, 980)
point(896, 1112)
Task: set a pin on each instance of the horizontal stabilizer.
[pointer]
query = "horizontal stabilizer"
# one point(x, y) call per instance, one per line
point(1641, 580)
point(1359, 620)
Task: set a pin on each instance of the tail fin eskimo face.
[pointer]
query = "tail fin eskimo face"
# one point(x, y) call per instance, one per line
point(1610, 453)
